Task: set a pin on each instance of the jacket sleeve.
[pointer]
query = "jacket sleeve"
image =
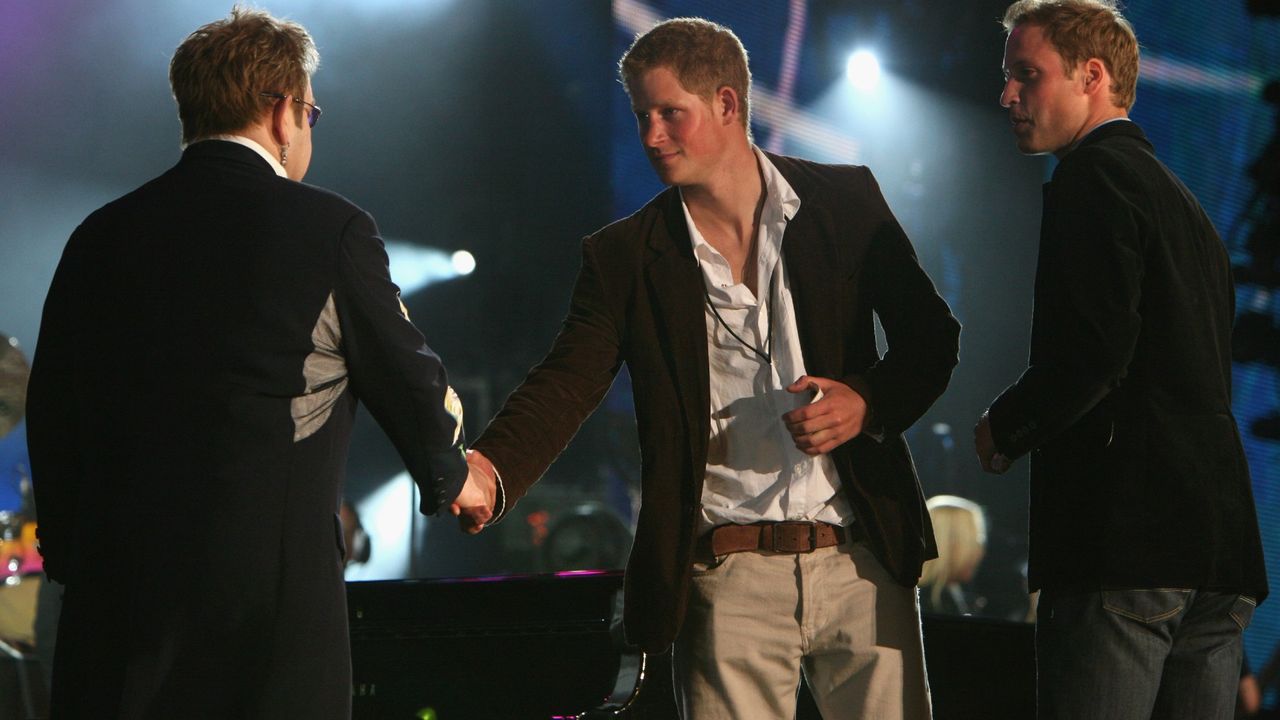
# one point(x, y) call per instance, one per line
point(52, 414)
point(922, 336)
point(1087, 306)
point(542, 415)
point(393, 372)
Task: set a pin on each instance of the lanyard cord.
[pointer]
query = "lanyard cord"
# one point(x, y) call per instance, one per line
point(767, 353)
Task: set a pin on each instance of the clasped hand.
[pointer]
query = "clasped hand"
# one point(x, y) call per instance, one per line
point(474, 505)
point(831, 420)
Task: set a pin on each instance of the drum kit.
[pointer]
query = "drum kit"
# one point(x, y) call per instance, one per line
point(20, 563)
point(19, 557)
point(18, 554)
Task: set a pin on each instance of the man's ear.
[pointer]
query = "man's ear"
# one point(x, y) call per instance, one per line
point(281, 123)
point(726, 104)
point(1096, 77)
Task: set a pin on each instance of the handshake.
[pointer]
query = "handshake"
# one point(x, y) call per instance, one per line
point(475, 505)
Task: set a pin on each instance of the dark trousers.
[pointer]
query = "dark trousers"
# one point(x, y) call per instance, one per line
point(1158, 654)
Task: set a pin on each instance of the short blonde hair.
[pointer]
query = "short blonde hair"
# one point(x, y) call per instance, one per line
point(704, 56)
point(960, 528)
point(1084, 29)
point(218, 74)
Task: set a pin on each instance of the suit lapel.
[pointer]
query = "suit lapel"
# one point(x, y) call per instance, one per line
point(676, 286)
point(808, 249)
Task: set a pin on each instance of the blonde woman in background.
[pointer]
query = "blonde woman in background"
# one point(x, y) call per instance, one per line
point(961, 531)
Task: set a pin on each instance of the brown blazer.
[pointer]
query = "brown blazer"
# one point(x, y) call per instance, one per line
point(639, 299)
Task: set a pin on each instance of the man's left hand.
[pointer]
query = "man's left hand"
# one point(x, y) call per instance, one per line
point(991, 460)
point(834, 418)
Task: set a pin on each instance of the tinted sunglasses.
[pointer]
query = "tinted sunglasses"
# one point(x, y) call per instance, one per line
point(313, 110)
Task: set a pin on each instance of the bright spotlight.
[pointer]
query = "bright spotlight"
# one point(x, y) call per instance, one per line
point(463, 262)
point(414, 266)
point(863, 70)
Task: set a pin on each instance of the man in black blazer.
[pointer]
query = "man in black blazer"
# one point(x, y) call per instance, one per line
point(781, 525)
point(1144, 537)
point(204, 344)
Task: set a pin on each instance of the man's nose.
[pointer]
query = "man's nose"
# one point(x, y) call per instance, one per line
point(1008, 95)
point(651, 133)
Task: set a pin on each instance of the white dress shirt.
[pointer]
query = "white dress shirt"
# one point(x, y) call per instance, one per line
point(754, 470)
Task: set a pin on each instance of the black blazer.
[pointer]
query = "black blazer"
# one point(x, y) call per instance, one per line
point(639, 299)
point(1138, 478)
point(204, 343)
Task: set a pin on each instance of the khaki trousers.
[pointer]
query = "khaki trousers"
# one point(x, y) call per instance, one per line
point(756, 620)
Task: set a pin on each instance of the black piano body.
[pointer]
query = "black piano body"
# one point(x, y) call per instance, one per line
point(536, 646)
point(550, 646)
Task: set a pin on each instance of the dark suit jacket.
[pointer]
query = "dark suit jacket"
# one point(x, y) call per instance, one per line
point(639, 300)
point(204, 343)
point(1138, 478)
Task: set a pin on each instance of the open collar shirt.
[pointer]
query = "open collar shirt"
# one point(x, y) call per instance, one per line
point(754, 470)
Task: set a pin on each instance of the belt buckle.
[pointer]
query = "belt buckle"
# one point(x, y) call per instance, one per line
point(791, 540)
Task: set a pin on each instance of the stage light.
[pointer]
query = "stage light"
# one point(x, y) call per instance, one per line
point(403, 11)
point(863, 70)
point(464, 263)
point(388, 516)
point(414, 266)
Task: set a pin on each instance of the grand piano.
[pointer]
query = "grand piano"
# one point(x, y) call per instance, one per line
point(550, 646)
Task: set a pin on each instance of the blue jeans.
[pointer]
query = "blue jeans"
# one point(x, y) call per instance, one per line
point(1159, 654)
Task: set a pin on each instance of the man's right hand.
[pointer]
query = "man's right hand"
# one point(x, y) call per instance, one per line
point(474, 505)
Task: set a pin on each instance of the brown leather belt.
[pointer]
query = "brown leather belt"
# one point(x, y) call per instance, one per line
point(788, 537)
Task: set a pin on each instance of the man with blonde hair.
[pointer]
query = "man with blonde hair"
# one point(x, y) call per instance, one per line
point(1144, 536)
point(204, 344)
point(782, 528)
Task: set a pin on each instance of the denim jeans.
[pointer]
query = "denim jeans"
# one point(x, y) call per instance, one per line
point(1163, 654)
